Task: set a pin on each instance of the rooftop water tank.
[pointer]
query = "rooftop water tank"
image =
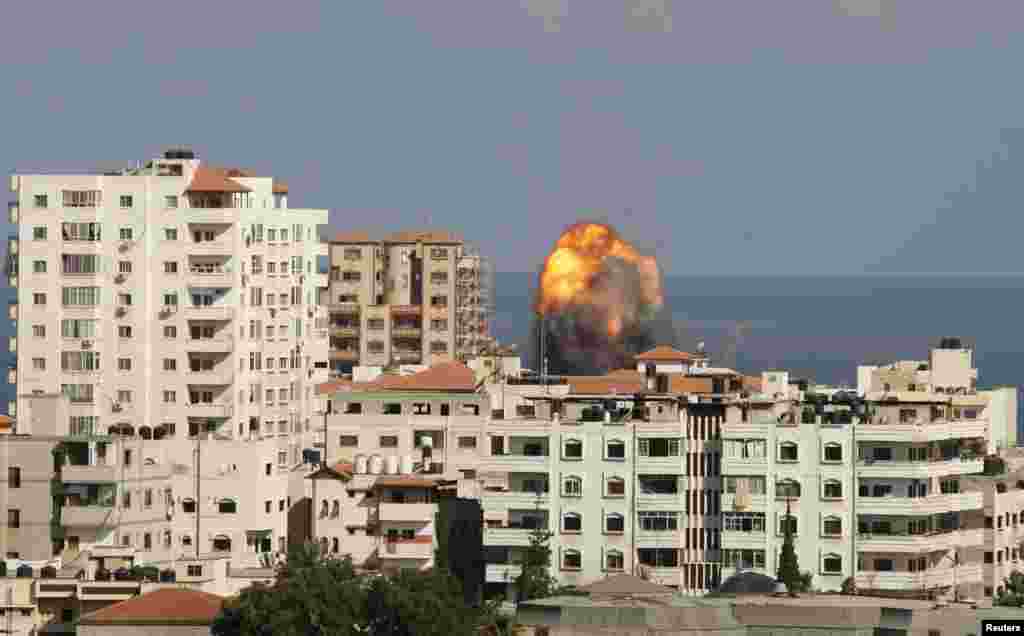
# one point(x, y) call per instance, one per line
point(376, 465)
point(360, 464)
point(392, 465)
point(406, 467)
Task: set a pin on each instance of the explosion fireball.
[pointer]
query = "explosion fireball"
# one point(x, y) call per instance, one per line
point(596, 298)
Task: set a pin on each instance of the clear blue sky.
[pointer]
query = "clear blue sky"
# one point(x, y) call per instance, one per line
point(730, 137)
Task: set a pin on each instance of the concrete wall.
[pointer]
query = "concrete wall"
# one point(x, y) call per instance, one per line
point(32, 499)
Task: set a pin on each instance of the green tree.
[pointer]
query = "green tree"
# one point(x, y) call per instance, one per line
point(1012, 593)
point(789, 567)
point(413, 604)
point(535, 580)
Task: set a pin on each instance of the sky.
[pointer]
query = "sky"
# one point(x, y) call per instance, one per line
point(737, 138)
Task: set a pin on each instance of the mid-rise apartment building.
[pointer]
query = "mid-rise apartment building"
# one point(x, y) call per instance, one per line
point(416, 298)
point(874, 482)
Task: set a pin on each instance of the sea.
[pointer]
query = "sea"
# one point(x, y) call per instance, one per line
point(818, 328)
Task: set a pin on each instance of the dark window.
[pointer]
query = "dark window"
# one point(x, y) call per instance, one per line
point(13, 518)
point(13, 477)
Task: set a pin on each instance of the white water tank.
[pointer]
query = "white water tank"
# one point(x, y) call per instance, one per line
point(392, 465)
point(361, 464)
point(406, 464)
point(376, 465)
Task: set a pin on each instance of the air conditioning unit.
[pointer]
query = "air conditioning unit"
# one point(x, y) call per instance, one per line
point(87, 344)
point(273, 313)
point(115, 407)
point(119, 278)
point(120, 311)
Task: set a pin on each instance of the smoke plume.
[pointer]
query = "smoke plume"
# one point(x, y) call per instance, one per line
point(599, 302)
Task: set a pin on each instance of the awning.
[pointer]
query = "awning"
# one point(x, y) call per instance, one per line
point(259, 534)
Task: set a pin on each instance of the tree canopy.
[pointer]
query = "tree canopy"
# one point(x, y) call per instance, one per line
point(316, 596)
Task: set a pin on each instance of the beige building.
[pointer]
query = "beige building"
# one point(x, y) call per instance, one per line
point(407, 298)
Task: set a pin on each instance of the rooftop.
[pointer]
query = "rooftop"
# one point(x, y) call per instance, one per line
point(664, 353)
point(444, 377)
point(164, 606)
point(406, 236)
point(210, 179)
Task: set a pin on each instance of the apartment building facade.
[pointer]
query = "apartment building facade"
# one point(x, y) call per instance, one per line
point(416, 298)
point(874, 482)
point(625, 479)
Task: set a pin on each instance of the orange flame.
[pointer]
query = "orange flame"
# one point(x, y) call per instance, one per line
point(572, 270)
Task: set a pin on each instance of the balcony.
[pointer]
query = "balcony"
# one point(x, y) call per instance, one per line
point(512, 537)
point(945, 577)
point(744, 540)
point(931, 505)
point(55, 588)
point(208, 312)
point(406, 550)
point(113, 552)
point(660, 501)
point(515, 499)
point(220, 247)
point(406, 332)
point(211, 410)
point(216, 216)
point(88, 473)
point(210, 277)
point(108, 590)
point(348, 355)
point(661, 539)
point(210, 345)
point(921, 431)
point(345, 332)
point(406, 355)
point(914, 543)
point(407, 512)
point(87, 516)
point(344, 309)
point(223, 374)
point(516, 463)
point(502, 572)
point(918, 470)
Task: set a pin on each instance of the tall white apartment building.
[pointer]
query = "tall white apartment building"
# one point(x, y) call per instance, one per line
point(158, 305)
point(874, 482)
point(167, 298)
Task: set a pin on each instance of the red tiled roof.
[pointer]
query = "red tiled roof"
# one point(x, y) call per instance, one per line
point(344, 468)
point(404, 482)
point(206, 179)
point(664, 353)
point(165, 606)
point(445, 376)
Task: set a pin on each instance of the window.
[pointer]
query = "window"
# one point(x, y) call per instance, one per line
point(439, 324)
point(833, 452)
point(39, 233)
point(80, 296)
point(147, 499)
point(615, 487)
point(170, 364)
point(13, 518)
point(467, 442)
point(193, 570)
point(41, 201)
point(658, 520)
point(658, 447)
point(170, 267)
point(79, 361)
point(572, 449)
point(743, 522)
point(171, 202)
point(38, 267)
point(438, 301)
point(80, 263)
point(38, 331)
point(170, 332)
point(833, 489)
point(832, 527)
point(787, 488)
point(124, 331)
point(125, 234)
point(613, 561)
point(124, 396)
point(126, 201)
point(787, 452)
point(171, 233)
point(789, 521)
point(438, 347)
point(832, 564)
point(388, 441)
point(572, 486)
point(572, 560)
point(124, 364)
point(746, 559)
point(572, 522)
point(81, 198)
point(348, 440)
point(616, 449)
point(614, 523)
point(13, 477)
point(39, 364)
point(227, 507)
point(38, 299)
